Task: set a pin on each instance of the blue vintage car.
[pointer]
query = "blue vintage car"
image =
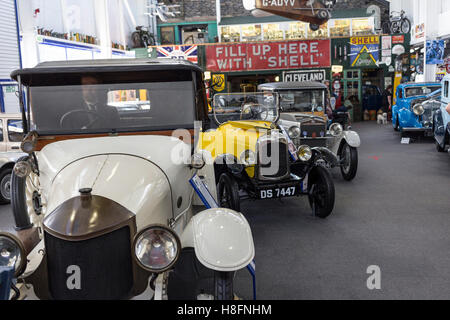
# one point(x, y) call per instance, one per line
point(409, 113)
point(441, 121)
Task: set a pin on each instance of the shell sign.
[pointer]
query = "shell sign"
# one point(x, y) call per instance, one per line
point(268, 55)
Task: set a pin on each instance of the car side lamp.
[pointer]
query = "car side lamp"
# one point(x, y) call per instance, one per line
point(448, 108)
point(29, 142)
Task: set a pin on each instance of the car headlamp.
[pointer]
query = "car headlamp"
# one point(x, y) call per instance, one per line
point(294, 132)
point(22, 169)
point(304, 153)
point(248, 158)
point(336, 129)
point(418, 109)
point(157, 248)
point(12, 253)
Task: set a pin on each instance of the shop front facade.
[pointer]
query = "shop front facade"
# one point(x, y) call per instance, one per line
point(355, 66)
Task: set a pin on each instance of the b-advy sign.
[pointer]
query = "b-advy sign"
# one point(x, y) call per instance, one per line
point(307, 75)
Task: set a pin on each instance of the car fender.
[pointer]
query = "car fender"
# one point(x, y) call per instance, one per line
point(222, 239)
point(352, 138)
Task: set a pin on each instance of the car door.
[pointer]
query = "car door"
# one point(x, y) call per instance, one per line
point(14, 134)
point(2, 137)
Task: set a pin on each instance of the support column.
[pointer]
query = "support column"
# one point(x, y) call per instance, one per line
point(29, 46)
point(102, 23)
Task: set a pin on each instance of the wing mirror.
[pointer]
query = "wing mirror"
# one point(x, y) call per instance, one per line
point(448, 108)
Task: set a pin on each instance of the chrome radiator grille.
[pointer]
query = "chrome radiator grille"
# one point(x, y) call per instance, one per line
point(104, 264)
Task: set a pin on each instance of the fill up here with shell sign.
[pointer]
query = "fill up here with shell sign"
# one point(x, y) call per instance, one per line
point(268, 55)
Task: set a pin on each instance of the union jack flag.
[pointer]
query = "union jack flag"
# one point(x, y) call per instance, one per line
point(178, 52)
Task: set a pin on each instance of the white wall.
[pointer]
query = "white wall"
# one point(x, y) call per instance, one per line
point(64, 16)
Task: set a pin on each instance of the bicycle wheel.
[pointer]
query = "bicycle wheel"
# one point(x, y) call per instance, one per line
point(405, 26)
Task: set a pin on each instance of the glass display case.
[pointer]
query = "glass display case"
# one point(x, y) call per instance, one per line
point(296, 30)
point(230, 33)
point(362, 27)
point(321, 33)
point(340, 28)
point(273, 31)
point(251, 32)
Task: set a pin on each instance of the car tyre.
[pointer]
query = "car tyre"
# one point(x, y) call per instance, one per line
point(439, 148)
point(223, 285)
point(5, 186)
point(19, 200)
point(350, 165)
point(321, 192)
point(228, 192)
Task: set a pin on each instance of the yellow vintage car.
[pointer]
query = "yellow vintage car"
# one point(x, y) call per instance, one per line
point(255, 158)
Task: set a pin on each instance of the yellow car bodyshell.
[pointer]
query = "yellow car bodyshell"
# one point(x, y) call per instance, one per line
point(235, 137)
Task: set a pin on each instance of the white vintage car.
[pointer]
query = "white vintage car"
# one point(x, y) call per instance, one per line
point(110, 201)
point(302, 115)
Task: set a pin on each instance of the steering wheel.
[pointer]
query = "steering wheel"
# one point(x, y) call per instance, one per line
point(71, 113)
point(255, 110)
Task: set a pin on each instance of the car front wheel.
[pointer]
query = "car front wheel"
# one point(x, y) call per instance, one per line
point(321, 192)
point(228, 192)
point(223, 285)
point(349, 158)
point(397, 126)
point(5, 186)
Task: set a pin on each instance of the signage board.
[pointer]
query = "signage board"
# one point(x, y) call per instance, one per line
point(364, 51)
point(304, 75)
point(398, 39)
point(435, 51)
point(303, 54)
point(188, 52)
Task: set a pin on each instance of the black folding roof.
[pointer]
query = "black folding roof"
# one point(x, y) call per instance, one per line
point(100, 66)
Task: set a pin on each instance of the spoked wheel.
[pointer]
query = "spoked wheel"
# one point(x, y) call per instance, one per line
point(25, 199)
point(5, 186)
point(223, 285)
point(228, 192)
point(349, 158)
point(321, 192)
point(405, 26)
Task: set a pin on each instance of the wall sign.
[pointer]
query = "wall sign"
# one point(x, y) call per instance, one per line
point(219, 82)
point(435, 51)
point(304, 75)
point(268, 56)
point(419, 32)
point(178, 52)
point(398, 39)
point(364, 51)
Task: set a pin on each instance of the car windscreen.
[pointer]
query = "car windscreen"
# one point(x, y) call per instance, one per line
point(420, 91)
point(245, 106)
point(121, 107)
point(302, 100)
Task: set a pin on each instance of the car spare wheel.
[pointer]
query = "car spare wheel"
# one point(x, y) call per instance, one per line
point(25, 200)
point(228, 192)
point(349, 161)
point(321, 192)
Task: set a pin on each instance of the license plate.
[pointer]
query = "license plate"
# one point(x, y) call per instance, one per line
point(282, 192)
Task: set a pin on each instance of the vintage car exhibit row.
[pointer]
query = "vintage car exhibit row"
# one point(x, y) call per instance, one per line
point(126, 185)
